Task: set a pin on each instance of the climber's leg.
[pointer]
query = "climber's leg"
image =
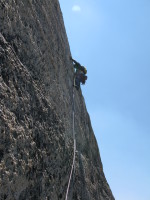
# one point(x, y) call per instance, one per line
point(77, 83)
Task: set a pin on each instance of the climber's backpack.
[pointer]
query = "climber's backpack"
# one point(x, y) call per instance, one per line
point(83, 78)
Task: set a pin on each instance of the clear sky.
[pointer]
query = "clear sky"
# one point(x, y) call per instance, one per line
point(112, 39)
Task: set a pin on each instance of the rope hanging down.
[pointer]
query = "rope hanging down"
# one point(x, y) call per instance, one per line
point(74, 139)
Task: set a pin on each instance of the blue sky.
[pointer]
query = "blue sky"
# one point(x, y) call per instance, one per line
point(112, 39)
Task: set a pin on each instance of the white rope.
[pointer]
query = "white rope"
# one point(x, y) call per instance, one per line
point(74, 154)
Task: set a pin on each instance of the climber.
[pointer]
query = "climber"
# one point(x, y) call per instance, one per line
point(80, 72)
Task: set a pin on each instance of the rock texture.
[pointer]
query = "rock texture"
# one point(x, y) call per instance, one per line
point(36, 142)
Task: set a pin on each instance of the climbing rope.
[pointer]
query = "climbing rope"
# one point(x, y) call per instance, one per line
point(74, 139)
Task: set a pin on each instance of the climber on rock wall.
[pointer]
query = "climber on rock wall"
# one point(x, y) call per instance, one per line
point(80, 72)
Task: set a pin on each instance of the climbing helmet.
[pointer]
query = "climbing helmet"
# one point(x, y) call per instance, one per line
point(85, 70)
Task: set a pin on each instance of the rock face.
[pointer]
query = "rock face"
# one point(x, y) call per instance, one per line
point(36, 105)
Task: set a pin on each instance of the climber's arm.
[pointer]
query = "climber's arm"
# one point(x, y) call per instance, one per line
point(75, 61)
point(77, 65)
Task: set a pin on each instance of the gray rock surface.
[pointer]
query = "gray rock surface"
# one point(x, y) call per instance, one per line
point(36, 137)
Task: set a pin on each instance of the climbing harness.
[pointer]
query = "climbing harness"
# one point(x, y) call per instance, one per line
point(74, 139)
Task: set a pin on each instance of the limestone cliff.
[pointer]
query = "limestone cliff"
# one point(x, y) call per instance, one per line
point(36, 141)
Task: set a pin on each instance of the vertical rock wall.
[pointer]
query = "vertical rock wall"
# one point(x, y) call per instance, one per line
point(36, 77)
